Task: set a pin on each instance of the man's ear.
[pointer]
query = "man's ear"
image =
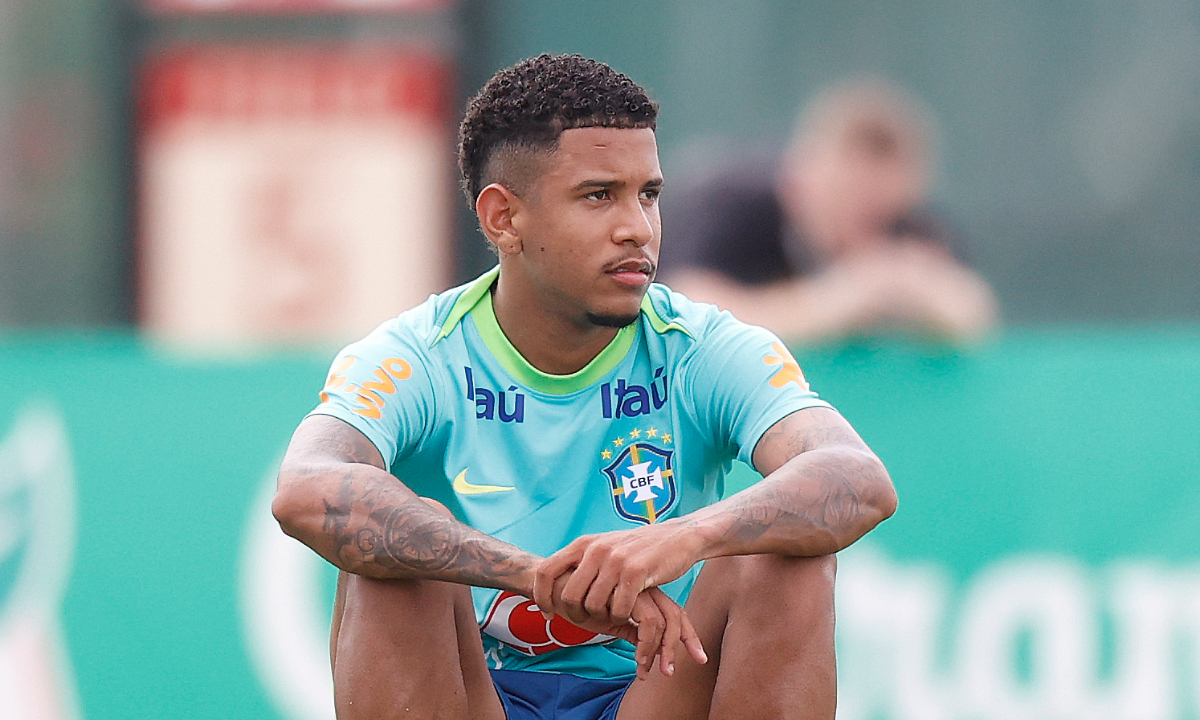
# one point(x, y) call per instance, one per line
point(495, 208)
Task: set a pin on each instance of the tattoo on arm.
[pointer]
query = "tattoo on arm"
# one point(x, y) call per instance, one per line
point(368, 522)
point(823, 505)
point(389, 534)
point(821, 492)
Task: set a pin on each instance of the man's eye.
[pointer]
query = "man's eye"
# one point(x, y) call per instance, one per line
point(597, 195)
point(651, 194)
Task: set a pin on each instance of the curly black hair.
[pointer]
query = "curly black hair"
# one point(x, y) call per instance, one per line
point(529, 105)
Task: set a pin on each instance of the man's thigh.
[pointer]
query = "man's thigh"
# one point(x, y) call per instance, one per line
point(766, 623)
point(409, 649)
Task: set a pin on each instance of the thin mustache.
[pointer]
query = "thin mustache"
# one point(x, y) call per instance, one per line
point(644, 261)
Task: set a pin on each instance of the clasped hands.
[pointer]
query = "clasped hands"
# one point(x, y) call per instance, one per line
point(608, 583)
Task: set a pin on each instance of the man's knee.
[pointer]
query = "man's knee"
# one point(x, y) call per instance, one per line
point(778, 582)
point(786, 571)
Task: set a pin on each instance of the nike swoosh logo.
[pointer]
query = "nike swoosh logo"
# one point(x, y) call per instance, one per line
point(462, 487)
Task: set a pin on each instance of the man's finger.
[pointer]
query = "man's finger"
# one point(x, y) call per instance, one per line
point(549, 572)
point(648, 645)
point(650, 624)
point(671, 630)
point(543, 589)
point(623, 598)
point(576, 590)
point(572, 612)
point(598, 602)
point(691, 639)
point(628, 633)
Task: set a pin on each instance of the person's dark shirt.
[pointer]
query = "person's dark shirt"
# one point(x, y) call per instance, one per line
point(730, 220)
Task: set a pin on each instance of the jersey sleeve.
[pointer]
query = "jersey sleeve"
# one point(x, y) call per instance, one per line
point(381, 386)
point(745, 380)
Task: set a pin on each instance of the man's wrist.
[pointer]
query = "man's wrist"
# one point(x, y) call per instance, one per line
point(521, 581)
point(702, 535)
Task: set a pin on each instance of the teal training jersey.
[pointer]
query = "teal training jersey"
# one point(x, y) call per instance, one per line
point(646, 431)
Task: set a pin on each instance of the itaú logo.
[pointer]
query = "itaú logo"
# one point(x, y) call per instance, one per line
point(517, 622)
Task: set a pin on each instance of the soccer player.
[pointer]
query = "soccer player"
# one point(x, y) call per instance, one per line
point(522, 479)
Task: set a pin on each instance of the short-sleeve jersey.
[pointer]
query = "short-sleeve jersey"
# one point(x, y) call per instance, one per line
point(646, 431)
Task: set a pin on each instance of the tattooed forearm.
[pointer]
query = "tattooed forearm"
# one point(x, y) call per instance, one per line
point(817, 507)
point(336, 497)
point(412, 540)
point(337, 513)
point(376, 528)
point(822, 490)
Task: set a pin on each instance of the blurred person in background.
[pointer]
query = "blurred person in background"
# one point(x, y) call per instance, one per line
point(833, 239)
point(569, 561)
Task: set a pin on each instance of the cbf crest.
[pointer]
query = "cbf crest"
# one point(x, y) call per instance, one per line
point(641, 476)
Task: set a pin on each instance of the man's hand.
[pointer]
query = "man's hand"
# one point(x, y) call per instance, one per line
point(906, 283)
point(656, 626)
point(612, 579)
point(608, 571)
point(938, 294)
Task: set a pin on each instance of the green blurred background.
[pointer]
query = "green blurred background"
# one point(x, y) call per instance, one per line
point(1043, 562)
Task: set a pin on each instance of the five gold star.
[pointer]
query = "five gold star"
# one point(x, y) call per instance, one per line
point(635, 434)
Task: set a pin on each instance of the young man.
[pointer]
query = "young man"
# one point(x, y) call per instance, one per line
point(557, 432)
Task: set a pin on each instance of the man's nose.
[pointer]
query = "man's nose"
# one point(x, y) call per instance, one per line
point(637, 224)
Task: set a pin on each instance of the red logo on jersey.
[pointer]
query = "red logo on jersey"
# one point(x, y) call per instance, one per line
point(516, 621)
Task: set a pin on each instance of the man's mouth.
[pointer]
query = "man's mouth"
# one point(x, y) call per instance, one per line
point(635, 273)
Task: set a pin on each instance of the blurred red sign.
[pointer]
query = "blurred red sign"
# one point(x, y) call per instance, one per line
point(285, 81)
point(291, 194)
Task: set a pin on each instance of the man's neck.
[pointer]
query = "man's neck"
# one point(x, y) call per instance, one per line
point(549, 342)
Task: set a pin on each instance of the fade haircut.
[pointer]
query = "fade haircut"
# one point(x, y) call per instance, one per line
point(527, 107)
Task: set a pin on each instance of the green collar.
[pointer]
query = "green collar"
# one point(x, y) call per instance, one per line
point(659, 325)
point(478, 288)
point(476, 300)
point(484, 315)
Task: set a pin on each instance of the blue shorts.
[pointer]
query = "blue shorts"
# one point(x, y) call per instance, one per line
point(555, 696)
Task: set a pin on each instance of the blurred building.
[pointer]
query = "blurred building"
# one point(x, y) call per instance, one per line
point(1073, 151)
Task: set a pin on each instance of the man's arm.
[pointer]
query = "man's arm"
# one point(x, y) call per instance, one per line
point(823, 489)
point(335, 497)
point(806, 309)
point(898, 284)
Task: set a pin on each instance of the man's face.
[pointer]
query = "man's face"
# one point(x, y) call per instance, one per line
point(590, 226)
point(846, 197)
